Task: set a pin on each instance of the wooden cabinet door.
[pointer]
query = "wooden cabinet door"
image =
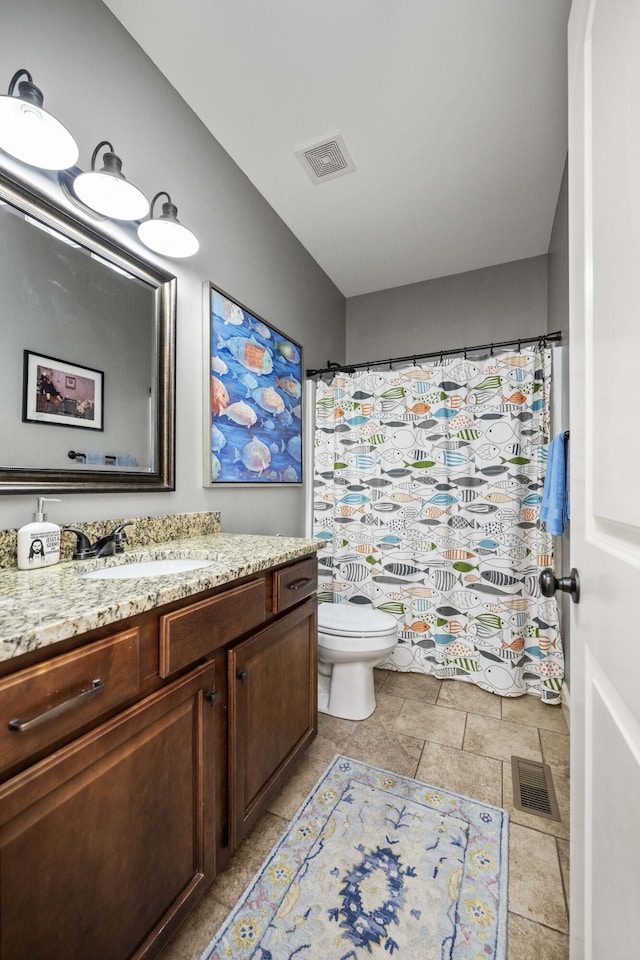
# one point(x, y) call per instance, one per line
point(272, 710)
point(107, 841)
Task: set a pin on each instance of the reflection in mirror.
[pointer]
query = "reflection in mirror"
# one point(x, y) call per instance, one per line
point(88, 339)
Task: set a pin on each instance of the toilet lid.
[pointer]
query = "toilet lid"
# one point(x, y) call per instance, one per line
point(356, 620)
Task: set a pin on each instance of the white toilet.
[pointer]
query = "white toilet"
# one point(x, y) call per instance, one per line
point(352, 640)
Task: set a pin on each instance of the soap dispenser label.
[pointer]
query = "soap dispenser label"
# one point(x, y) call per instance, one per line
point(42, 545)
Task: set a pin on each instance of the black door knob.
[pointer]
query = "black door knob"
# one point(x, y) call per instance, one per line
point(549, 583)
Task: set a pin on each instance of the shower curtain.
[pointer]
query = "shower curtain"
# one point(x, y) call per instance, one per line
point(427, 486)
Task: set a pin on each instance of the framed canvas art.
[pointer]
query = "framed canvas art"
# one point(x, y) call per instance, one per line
point(253, 432)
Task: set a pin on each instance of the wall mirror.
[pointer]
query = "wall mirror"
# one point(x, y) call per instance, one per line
point(88, 344)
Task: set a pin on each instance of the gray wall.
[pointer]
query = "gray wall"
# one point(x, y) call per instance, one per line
point(481, 306)
point(98, 82)
point(559, 320)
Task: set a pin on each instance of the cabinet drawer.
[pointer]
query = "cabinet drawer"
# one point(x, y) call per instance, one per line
point(294, 583)
point(189, 634)
point(43, 705)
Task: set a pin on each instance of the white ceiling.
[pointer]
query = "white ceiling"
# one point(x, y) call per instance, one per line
point(454, 112)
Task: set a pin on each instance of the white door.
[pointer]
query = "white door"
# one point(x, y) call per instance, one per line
point(604, 243)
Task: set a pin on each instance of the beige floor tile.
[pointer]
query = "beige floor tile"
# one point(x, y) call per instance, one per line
point(563, 854)
point(290, 796)
point(248, 858)
point(333, 736)
point(477, 777)
point(335, 728)
point(555, 750)
point(412, 686)
point(379, 677)
point(531, 941)
point(469, 697)
point(386, 749)
point(447, 715)
point(195, 934)
point(532, 711)
point(324, 749)
point(501, 738)
point(557, 828)
point(428, 722)
point(535, 882)
point(387, 709)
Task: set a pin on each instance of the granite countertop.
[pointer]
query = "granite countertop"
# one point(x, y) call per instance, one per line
point(40, 607)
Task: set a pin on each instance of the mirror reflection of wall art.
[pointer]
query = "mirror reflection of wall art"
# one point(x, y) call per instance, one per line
point(62, 393)
point(254, 398)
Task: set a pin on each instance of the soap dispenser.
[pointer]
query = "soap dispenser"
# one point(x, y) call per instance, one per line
point(39, 542)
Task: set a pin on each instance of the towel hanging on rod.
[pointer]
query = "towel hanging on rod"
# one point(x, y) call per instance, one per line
point(554, 509)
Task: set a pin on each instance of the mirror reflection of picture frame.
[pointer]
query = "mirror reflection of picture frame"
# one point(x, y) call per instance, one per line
point(61, 393)
point(253, 398)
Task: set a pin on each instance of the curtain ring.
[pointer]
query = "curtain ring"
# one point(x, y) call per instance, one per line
point(414, 361)
point(491, 351)
point(441, 357)
point(465, 353)
point(519, 346)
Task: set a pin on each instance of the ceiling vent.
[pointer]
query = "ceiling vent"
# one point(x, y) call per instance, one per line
point(326, 159)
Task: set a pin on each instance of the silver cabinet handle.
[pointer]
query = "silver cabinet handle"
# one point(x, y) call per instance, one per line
point(23, 726)
point(299, 584)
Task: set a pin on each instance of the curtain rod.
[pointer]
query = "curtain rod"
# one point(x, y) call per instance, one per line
point(352, 367)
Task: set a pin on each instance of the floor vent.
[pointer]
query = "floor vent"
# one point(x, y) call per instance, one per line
point(325, 160)
point(533, 790)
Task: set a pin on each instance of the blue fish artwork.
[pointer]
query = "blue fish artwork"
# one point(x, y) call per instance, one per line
point(218, 439)
point(256, 414)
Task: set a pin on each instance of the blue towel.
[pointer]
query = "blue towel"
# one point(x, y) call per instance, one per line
point(554, 509)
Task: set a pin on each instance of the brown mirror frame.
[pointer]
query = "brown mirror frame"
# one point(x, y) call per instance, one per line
point(23, 480)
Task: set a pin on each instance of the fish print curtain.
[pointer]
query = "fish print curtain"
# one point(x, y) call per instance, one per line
point(428, 482)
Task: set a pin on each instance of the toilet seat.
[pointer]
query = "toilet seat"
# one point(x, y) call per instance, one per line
point(345, 620)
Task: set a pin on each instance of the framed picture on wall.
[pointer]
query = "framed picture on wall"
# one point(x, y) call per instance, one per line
point(61, 393)
point(253, 390)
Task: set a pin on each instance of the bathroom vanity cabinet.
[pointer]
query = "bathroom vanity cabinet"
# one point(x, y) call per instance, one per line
point(136, 757)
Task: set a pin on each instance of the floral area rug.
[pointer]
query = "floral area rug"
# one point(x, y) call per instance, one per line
point(377, 865)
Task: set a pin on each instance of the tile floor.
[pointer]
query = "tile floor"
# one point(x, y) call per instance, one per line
point(455, 736)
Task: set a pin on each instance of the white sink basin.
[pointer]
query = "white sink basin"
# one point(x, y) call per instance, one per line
point(147, 568)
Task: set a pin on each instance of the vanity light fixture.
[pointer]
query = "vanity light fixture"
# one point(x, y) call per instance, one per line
point(107, 191)
point(29, 133)
point(165, 234)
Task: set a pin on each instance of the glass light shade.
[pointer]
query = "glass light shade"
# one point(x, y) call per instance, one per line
point(33, 136)
point(168, 237)
point(111, 196)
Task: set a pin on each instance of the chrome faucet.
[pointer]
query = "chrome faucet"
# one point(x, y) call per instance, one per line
point(104, 547)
